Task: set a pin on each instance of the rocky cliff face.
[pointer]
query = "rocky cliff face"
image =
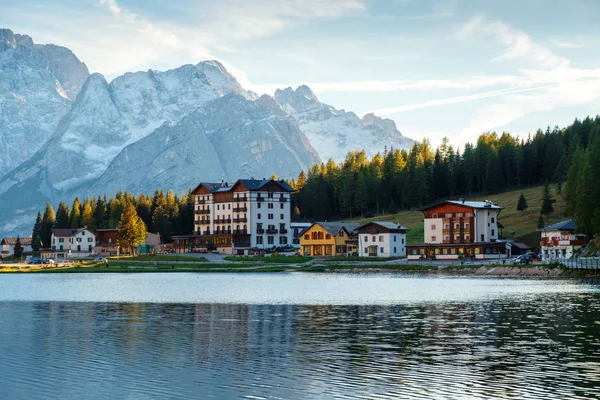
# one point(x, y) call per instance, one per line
point(32, 100)
point(66, 67)
point(336, 132)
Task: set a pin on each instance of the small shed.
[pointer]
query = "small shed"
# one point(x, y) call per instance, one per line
point(516, 249)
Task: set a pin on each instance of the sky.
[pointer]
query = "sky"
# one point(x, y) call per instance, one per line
point(438, 68)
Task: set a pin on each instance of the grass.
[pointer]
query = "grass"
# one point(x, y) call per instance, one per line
point(520, 227)
point(355, 258)
point(270, 259)
point(162, 257)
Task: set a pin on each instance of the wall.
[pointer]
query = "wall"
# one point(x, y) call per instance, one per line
point(437, 232)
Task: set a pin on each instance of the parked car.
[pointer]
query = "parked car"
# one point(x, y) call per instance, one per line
point(34, 261)
point(100, 259)
point(522, 259)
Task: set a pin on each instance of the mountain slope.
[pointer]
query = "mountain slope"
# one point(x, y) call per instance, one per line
point(336, 132)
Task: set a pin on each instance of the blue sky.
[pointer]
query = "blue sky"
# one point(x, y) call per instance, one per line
point(438, 68)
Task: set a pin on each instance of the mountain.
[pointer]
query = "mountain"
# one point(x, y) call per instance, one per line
point(32, 95)
point(336, 132)
point(151, 130)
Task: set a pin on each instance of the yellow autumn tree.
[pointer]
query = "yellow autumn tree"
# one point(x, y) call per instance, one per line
point(132, 230)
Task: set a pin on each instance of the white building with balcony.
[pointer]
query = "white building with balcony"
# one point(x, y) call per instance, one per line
point(559, 241)
point(72, 243)
point(249, 214)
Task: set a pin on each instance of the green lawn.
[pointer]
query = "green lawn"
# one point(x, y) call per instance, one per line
point(270, 259)
point(520, 227)
point(355, 258)
point(162, 257)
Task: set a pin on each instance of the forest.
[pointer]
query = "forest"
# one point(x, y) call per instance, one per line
point(397, 179)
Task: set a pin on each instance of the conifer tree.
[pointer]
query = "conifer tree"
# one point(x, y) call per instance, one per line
point(132, 230)
point(75, 216)
point(540, 223)
point(48, 221)
point(522, 205)
point(36, 239)
point(87, 214)
point(62, 216)
point(547, 200)
point(18, 251)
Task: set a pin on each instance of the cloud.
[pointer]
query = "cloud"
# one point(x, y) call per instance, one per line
point(567, 44)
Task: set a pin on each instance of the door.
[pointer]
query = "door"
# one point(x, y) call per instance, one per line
point(372, 251)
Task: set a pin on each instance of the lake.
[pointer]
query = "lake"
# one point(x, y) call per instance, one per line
point(296, 336)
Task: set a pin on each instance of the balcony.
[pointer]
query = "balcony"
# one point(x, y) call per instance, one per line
point(240, 209)
point(222, 221)
point(201, 212)
point(240, 198)
point(240, 231)
point(260, 231)
point(223, 232)
point(271, 231)
point(236, 220)
point(282, 199)
point(283, 231)
point(203, 221)
point(260, 198)
point(201, 201)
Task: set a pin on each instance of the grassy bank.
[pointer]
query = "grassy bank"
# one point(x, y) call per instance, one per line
point(356, 259)
point(520, 227)
point(162, 257)
point(270, 259)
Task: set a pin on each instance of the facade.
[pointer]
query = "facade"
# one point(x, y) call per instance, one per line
point(559, 241)
point(298, 229)
point(250, 214)
point(7, 245)
point(456, 229)
point(329, 239)
point(107, 242)
point(73, 243)
point(382, 239)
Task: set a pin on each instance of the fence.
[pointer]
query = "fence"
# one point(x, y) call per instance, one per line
point(592, 263)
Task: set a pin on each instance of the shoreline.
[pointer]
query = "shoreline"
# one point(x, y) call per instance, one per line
point(533, 271)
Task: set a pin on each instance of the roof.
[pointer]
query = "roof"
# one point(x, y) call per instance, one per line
point(566, 225)
point(486, 204)
point(335, 227)
point(65, 232)
point(25, 241)
point(386, 224)
point(251, 184)
point(521, 246)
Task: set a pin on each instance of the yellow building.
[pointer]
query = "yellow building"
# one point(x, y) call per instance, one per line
point(329, 239)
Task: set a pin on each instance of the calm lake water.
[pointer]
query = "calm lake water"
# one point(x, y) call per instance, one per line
point(296, 336)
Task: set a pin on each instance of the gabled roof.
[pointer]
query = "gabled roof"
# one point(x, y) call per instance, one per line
point(25, 241)
point(486, 204)
point(334, 227)
point(386, 224)
point(566, 225)
point(67, 232)
point(250, 184)
point(521, 246)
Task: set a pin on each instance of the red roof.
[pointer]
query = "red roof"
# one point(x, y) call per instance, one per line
point(13, 240)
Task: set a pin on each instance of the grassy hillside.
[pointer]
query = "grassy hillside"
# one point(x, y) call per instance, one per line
point(518, 227)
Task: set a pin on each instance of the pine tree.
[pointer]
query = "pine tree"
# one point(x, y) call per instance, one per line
point(18, 251)
point(522, 205)
point(540, 223)
point(48, 221)
point(547, 200)
point(132, 230)
point(87, 215)
point(75, 216)
point(62, 216)
point(36, 238)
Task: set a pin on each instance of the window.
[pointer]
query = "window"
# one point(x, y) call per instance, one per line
point(374, 240)
point(258, 205)
point(402, 240)
point(447, 226)
point(459, 215)
point(61, 240)
point(466, 225)
point(271, 239)
point(281, 216)
point(493, 232)
point(446, 238)
point(270, 216)
point(281, 205)
point(90, 240)
point(434, 215)
point(79, 239)
point(270, 195)
point(394, 249)
point(433, 227)
point(492, 220)
point(218, 207)
point(456, 226)
point(270, 205)
point(282, 239)
point(445, 251)
point(306, 237)
point(394, 239)
point(482, 237)
point(448, 215)
point(467, 237)
point(258, 216)
point(433, 238)
point(83, 233)
point(366, 239)
point(341, 233)
point(381, 250)
point(229, 206)
point(259, 240)
point(328, 236)
point(53, 240)
point(381, 238)
point(366, 250)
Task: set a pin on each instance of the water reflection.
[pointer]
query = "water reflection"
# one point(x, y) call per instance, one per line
point(505, 348)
